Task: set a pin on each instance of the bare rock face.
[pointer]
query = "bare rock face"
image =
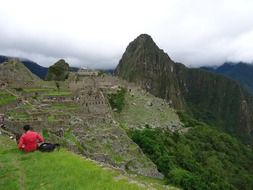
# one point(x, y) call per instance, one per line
point(209, 97)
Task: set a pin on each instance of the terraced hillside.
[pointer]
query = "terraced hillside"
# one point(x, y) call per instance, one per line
point(142, 110)
point(60, 119)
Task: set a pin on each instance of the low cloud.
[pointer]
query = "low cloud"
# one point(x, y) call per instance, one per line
point(96, 33)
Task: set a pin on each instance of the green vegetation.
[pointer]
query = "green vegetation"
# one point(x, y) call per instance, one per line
point(58, 93)
point(57, 170)
point(65, 106)
point(137, 112)
point(6, 98)
point(51, 118)
point(117, 158)
point(241, 72)
point(41, 92)
point(18, 115)
point(117, 100)
point(203, 158)
point(29, 90)
point(188, 120)
point(26, 106)
point(69, 136)
point(211, 98)
point(45, 133)
point(57, 84)
point(19, 89)
point(59, 71)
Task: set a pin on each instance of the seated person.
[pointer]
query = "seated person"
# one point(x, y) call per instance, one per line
point(28, 141)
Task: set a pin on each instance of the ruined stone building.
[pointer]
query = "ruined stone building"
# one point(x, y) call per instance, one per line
point(89, 91)
point(89, 96)
point(85, 72)
point(84, 83)
point(94, 82)
point(93, 102)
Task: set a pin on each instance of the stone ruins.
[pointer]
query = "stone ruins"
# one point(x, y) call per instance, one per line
point(85, 72)
point(90, 91)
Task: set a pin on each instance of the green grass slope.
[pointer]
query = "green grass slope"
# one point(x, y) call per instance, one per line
point(6, 98)
point(60, 170)
point(141, 109)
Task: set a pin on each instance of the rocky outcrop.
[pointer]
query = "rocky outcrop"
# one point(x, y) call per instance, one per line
point(211, 98)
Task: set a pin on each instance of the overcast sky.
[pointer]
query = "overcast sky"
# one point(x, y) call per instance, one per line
point(96, 33)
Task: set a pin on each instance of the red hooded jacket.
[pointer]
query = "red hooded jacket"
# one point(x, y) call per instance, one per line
point(28, 141)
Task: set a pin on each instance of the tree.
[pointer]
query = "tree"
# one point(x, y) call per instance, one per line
point(57, 84)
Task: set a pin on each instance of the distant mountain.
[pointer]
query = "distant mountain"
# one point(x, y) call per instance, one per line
point(108, 71)
point(32, 66)
point(74, 69)
point(3, 58)
point(59, 71)
point(15, 73)
point(212, 98)
point(36, 69)
point(241, 72)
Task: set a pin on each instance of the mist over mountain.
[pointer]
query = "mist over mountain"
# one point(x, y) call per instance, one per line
point(240, 72)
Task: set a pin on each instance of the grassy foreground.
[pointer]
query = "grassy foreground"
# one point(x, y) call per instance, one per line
point(57, 170)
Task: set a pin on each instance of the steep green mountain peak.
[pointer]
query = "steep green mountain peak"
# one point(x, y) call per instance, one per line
point(211, 98)
point(147, 65)
point(59, 71)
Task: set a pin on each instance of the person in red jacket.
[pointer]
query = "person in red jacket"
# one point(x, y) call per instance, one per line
point(28, 141)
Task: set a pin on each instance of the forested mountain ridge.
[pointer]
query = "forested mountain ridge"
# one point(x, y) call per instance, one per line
point(241, 72)
point(209, 97)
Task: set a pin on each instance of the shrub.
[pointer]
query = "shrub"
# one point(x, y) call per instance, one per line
point(117, 100)
point(203, 158)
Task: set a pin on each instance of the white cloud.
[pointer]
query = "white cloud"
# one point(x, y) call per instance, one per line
point(95, 33)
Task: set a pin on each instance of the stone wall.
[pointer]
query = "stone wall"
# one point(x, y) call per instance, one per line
point(10, 106)
point(93, 102)
point(16, 127)
point(99, 82)
point(87, 72)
